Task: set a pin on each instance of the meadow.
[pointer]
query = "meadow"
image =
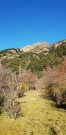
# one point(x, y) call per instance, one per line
point(40, 117)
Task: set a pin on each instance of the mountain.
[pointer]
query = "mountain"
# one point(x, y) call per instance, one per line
point(37, 47)
point(36, 57)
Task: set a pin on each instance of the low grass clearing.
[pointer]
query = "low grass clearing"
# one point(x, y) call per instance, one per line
point(39, 118)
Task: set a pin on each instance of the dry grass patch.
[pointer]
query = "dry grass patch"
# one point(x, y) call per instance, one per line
point(39, 118)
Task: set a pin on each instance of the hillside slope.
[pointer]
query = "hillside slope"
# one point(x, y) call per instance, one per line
point(36, 57)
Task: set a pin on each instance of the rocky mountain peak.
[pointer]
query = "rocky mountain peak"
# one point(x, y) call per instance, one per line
point(37, 47)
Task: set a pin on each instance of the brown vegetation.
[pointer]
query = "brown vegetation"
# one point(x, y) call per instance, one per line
point(8, 91)
point(55, 84)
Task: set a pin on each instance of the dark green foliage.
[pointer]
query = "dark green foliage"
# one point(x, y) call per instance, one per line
point(13, 64)
point(60, 50)
point(37, 65)
point(52, 60)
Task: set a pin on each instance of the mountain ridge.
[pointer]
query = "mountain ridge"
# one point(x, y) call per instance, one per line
point(37, 45)
point(30, 47)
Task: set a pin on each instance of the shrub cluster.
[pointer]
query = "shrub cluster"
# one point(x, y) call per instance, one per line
point(54, 88)
point(57, 94)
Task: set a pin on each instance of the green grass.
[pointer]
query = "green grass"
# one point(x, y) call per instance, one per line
point(39, 118)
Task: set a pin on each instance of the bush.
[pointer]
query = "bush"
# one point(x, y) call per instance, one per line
point(20, 93)
point(61, 97)
point(57, 94)
point(21, 90)
point(51, 91)
point(1, 103)
point(17, 110)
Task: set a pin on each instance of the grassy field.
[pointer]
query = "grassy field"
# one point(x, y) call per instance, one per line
point(39, 118)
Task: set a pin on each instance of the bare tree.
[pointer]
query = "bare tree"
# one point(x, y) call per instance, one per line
point(8, 89)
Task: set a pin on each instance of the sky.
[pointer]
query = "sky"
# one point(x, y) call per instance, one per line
point(24, 22)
